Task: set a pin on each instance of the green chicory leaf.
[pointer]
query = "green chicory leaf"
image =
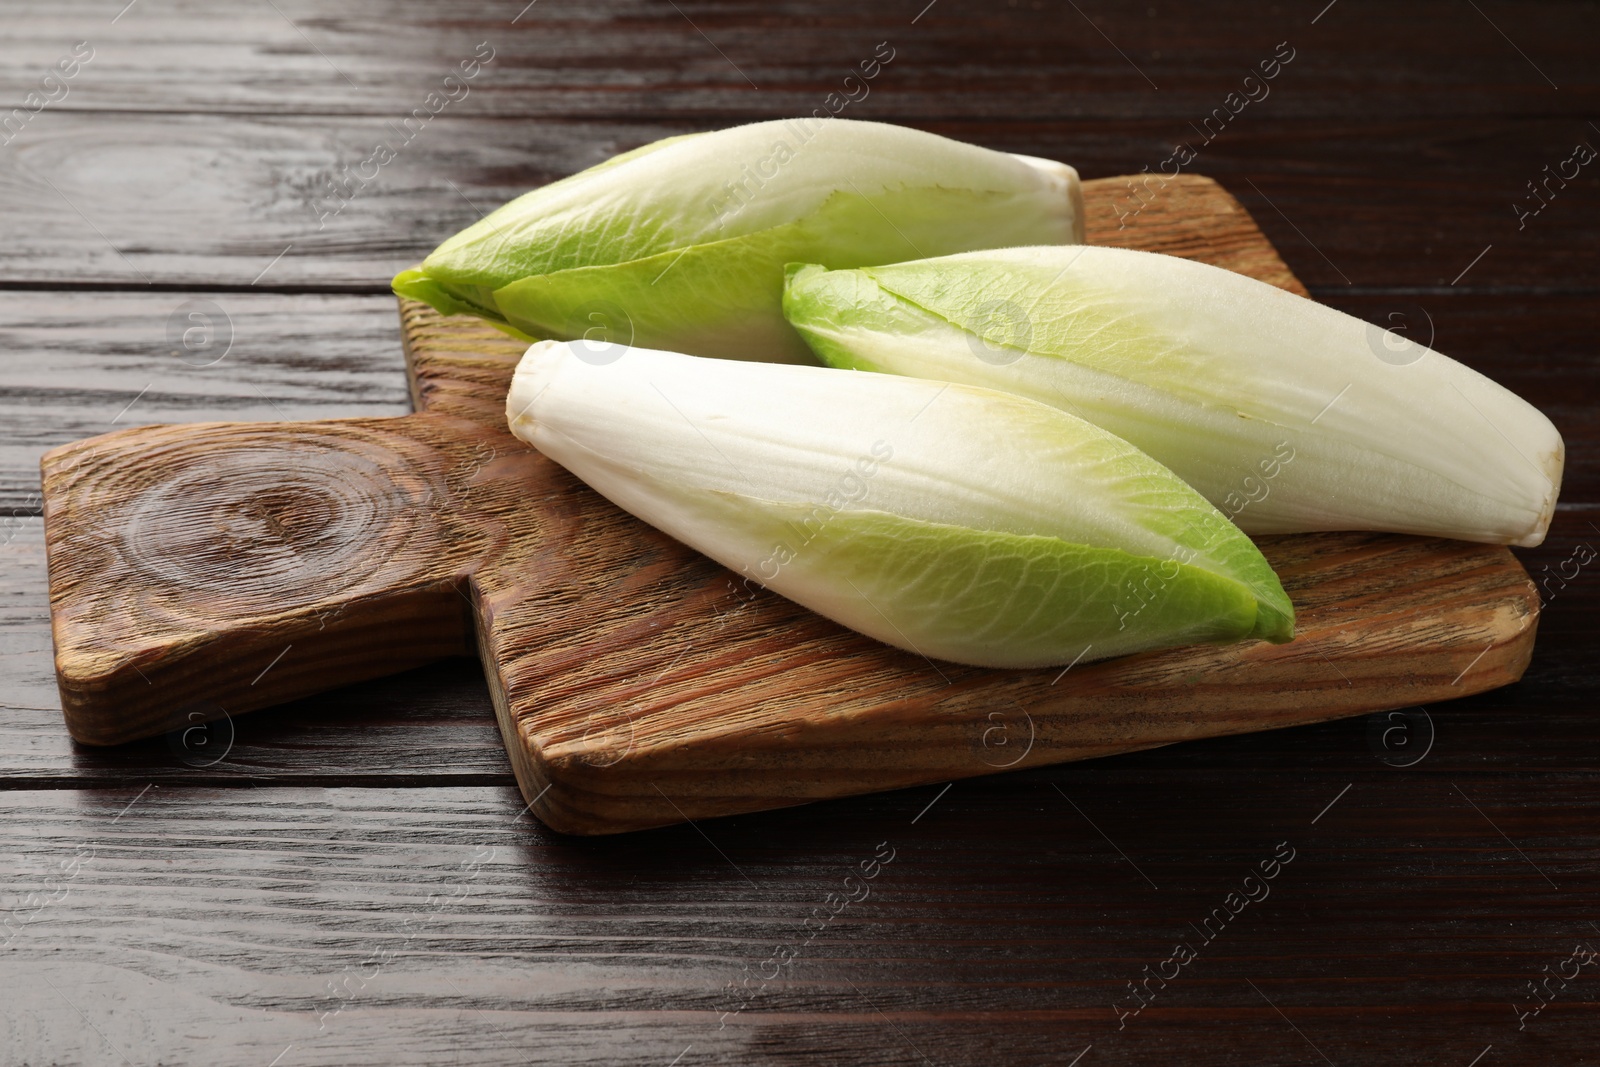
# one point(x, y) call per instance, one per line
point(956, 522)
point(681, 244)
point(1286, 414)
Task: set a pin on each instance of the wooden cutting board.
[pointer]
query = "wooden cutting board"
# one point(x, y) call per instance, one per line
point(221, 567)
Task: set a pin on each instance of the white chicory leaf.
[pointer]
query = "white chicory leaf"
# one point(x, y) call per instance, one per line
point(1288, 415)
point(682, 243)
point(956, 522)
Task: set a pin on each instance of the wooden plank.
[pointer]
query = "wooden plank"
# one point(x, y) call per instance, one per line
point(82, 363)
point(1362, 203)
point(632, 59)
point(376, 926)
point(436, 724)
point(319, 356)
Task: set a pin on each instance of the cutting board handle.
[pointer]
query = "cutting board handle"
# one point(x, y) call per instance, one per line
point(209, 569)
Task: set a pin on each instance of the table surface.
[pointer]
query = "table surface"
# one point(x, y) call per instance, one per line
point(351, 879)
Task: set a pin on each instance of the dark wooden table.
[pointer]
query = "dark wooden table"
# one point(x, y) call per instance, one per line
point(351, 879)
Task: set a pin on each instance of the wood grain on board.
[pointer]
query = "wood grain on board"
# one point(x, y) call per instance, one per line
point(209, 569)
